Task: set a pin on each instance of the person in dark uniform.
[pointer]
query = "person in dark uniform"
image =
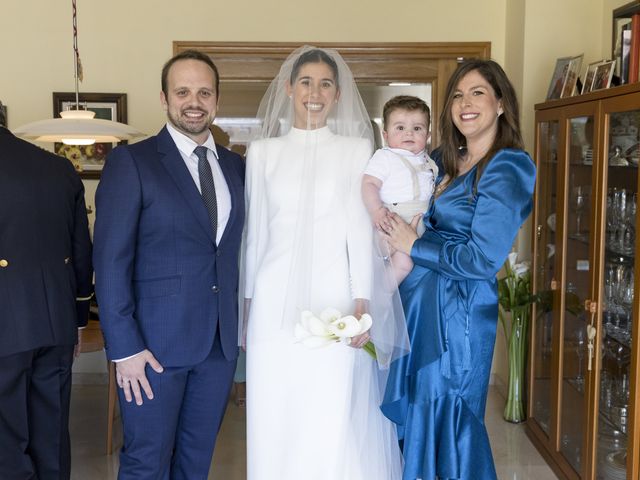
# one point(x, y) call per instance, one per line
point(45, 287)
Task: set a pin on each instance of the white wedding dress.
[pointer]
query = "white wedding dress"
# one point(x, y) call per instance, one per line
point(312, 414)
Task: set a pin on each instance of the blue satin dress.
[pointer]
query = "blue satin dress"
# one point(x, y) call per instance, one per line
point(437, 393)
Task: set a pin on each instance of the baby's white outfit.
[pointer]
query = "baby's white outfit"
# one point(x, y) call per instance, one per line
point(407, 178)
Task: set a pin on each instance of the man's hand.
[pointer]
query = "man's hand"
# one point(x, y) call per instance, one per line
point(78, 346)
point(131, 377)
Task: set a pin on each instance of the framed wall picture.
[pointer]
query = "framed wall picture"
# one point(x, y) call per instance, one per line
point(603, 74)
point(89, 159)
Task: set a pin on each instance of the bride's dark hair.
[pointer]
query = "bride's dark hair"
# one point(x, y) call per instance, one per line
point(314, 56)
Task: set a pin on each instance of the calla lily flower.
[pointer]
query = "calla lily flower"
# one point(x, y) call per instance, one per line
point(317, 342)
point(331, 327)
point(347, 326)
point(329, 315)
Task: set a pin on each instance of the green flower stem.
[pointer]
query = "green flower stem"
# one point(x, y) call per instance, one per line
point(514, 409)
point(370, 348)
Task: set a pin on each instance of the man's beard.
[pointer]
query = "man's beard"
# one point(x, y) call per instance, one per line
point(188, 127)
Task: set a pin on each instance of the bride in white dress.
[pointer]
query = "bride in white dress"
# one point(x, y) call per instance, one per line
point(313, 413)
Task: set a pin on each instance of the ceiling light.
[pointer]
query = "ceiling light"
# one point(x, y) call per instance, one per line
point(77, 127)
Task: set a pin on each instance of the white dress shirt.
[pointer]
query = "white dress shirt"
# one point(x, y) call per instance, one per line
point(186, 147)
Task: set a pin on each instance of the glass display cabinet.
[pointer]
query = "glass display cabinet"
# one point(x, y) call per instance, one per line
point(583, 362)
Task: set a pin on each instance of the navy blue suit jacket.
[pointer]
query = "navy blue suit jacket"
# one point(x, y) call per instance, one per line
point(45, 245)
point(161, 282)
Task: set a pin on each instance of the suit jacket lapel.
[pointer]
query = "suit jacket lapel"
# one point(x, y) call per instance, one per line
point(173, 162)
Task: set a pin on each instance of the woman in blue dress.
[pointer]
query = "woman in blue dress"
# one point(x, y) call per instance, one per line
point(437, 393)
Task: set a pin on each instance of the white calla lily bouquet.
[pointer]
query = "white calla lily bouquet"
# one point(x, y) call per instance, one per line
point(331, 327)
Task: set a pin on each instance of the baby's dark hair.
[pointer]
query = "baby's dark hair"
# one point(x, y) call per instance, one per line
point(405, 102)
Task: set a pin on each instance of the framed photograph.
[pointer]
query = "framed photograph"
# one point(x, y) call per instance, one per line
point(621, 46)
point(558, 77)
point(564, 78)
point(603, 74)
point(589, 76)
point(89, 159)
point(573, 72)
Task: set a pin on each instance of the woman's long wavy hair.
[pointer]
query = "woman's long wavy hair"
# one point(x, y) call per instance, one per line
point(508, 135)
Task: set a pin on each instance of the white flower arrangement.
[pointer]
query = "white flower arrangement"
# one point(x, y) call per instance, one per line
point(331, 327)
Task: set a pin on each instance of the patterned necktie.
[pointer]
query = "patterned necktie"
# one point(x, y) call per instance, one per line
point(208, 188)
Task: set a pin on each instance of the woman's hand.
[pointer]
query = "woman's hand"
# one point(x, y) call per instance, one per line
point(361, 307)
point(400, 234)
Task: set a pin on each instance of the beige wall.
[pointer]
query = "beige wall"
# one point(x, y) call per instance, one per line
point(124, 43)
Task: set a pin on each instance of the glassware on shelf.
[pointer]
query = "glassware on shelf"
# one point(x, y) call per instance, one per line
point(621, 216)
point(571, 449)
point(580, 345)
point(617, 159)
point(579, 202)
point(618, 296)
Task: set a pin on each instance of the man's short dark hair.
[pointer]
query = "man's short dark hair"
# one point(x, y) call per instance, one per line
point(3, 117)
point(188, 55)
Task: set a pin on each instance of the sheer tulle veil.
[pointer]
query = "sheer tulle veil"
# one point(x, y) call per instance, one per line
point(348, 118)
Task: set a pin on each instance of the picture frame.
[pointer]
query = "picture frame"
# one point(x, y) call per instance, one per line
point(621, 45)
point(571, 80)
point(625, 25)
point(564, 78)
point(89, 159)
point(603, 75)
point(3, 107)
point(589, 75)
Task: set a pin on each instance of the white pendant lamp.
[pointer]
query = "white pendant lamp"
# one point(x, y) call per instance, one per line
point(77, 127)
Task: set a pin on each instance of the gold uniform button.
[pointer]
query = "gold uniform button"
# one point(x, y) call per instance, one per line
point(67, 260)
point(4, 263)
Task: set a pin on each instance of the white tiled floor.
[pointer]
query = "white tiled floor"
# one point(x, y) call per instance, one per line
point(515, 456)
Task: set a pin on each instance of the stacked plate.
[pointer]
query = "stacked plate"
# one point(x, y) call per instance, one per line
point(614, 466)
point(612, 452)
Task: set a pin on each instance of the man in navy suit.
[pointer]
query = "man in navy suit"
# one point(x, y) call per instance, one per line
point(45, 287)
point(170, 211)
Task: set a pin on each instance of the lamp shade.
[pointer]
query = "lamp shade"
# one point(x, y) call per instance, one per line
point(77, 127)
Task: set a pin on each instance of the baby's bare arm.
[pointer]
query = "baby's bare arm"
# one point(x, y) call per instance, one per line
point(371, 197)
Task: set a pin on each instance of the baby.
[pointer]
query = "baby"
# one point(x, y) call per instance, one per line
point(400, 178)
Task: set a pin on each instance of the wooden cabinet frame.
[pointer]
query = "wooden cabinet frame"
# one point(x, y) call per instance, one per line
point(600, 105)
